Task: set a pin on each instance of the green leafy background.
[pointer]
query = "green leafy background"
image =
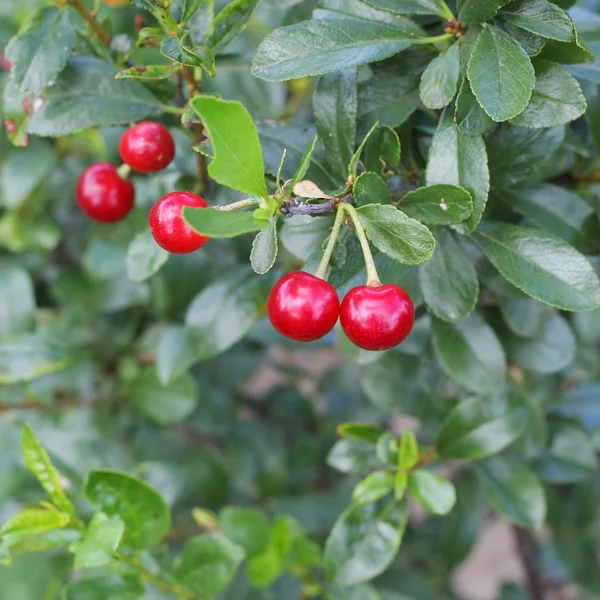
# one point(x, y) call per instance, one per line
point(159, 440)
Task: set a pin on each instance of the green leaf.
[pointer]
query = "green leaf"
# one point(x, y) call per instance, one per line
point(439, 204)
point(238, 161)
point(382, 149)
point(501, 74)
point(106, 586)
point(571, 456)
point(191, 8)
point(470, 353)
point(513, 490)
point(87, 95)
point(551, 350)
point(470, 117)
point(175, 353)
point(164, 404)
point(361, 431)
point(581, 54)
point(581, 405)
point(101, 540)
point(541, 265)
point(523, 316)
point(38, 462)
point(144, 257)
point(387, 99)
point(225, 310)
point(400, 484)
point(149, 72)
point(264, 248)
point(23, 171)
point(473, 12)
point(411, 7)
point(303, 166)
point(322, 46)
point(265, 568)
point(557, 98)
point(439, 81)
point(335, 106)
point(201, 23)
point(363, 542)
point(373, 487)
point(222, 223)
point(181, 50)
point(142, 509)
point(207, 563)
point(369, 188)
point(32, 522)
point(531, 43)
point(460, 160)
point(449, 280)
point(393, 233)
point(230, 22)
point(476, 428)
point(540, 17)
point(40, 50)
point(30, 356)
point(247, 527)
point(17, 304)
point(408, 452)
point(431, 491)
point(559, 212)
point(517, 153)
point(353, 165)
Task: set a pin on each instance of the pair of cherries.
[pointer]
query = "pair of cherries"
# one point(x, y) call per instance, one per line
point(305, 308)
point(107, 197)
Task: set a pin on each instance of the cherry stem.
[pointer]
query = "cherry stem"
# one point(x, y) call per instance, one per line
point(124, 171)
point(372, 276)
point(434, 40)
point(335, 232)
point(447, 10)
point(237, 205)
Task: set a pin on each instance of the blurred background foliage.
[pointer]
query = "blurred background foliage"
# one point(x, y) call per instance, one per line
point(85, 350)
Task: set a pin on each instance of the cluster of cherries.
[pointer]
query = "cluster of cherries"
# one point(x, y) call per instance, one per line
point(374, 317)
point(106, 194)
point(301, 306)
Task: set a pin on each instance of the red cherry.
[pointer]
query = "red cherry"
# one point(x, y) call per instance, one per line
point(147, 147)
point(169, 229)
point(102, 195)
point(377, 318)
point(303, 307)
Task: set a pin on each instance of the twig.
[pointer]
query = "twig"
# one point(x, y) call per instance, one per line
point(526, 550)
point(297, 206)
point(193, 87)
point(59, 404)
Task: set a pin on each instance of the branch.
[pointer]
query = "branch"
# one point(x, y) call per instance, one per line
point(298, 206)
point(526, 550)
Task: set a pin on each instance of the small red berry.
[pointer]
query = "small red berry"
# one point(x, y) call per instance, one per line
point(377, 318)
point(102, 195)
point(303, 307)
point(169, 229)
point(147, 147)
